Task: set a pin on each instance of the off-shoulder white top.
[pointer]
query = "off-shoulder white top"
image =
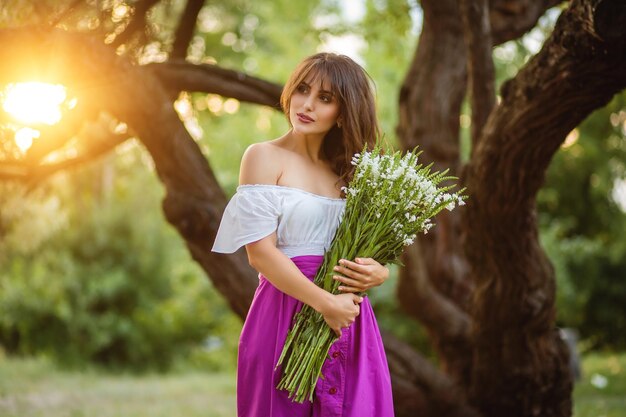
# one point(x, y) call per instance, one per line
point(305, 223)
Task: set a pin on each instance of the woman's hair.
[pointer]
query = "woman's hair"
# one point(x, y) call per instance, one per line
point(353, 89)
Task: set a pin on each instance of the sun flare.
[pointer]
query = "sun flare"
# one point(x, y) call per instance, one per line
point(24, 138)
point(34, 102)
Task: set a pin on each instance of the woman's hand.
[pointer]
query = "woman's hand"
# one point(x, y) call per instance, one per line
point(361, 275)
point(341, 311)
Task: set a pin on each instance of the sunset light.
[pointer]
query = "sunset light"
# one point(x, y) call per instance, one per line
point(24, 138)
point(34, 102)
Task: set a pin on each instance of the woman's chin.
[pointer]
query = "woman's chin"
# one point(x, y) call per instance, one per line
point(309, 130)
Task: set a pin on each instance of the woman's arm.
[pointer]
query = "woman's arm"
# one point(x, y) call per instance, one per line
point(339, 311)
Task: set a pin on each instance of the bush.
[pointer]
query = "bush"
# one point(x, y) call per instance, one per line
point(115, 287)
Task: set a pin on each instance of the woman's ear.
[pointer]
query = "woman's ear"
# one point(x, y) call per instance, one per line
point(339, 122)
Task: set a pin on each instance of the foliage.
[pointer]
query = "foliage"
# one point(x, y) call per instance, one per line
point(115, 286)
point(390, 30)
point(37, 214)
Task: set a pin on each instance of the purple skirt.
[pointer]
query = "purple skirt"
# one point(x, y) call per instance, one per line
point(356, 383)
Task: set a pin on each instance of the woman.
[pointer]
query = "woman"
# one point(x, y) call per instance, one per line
point(286, 210)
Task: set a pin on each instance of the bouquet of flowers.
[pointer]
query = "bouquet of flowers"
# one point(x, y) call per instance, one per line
point(390, 199)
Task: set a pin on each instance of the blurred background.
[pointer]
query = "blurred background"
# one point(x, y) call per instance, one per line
point(102, 310)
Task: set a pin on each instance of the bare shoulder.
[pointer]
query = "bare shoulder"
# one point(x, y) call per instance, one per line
point(260, 164)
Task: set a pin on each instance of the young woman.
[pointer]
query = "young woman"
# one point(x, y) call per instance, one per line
point(285, 211)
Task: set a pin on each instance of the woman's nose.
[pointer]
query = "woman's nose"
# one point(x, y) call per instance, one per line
point(308, 103)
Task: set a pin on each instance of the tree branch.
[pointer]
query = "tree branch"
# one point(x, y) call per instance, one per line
point(510, 19)
point(136, 24)
point(184, 76)
point(185, 29)
point(55, 136)
point(34, 174)
point(481, 71)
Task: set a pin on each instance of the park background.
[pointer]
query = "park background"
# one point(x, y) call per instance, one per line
point(103, 311)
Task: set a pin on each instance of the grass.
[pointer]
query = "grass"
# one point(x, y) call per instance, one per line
point(36, 388)
point(601, 392)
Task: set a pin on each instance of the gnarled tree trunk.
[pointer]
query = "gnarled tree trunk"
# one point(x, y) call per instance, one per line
point(497, 292)
point(520, 365)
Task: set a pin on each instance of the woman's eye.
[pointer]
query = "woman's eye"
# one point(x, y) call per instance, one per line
point(326, 99)
point(302, 88)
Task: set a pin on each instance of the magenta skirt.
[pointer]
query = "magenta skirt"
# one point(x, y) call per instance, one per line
point(356, 383)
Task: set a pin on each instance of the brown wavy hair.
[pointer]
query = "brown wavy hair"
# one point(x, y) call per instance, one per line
point(353, 88)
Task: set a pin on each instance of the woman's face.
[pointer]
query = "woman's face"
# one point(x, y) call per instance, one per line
point(313, 108)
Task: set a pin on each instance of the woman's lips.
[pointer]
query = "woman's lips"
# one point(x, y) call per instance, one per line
point(304, 118)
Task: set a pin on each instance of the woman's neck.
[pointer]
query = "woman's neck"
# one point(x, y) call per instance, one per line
point(309, 146)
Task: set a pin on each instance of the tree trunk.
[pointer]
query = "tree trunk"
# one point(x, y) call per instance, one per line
point(433, 287)
point(520, 365)
point(512, 307)
point(436, 288)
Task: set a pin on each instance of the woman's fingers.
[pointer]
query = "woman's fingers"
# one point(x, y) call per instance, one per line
point(346, 314)
point(351, 274)
point(361, 276)
point(353, 284)
point(345, 289)
point(349, 282)
point(347, 272)
point(354, 274)
point(347, 267)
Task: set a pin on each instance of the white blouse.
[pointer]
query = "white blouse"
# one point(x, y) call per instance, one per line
point(305, 223)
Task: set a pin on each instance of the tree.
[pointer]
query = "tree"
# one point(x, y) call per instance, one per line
point(483, 283)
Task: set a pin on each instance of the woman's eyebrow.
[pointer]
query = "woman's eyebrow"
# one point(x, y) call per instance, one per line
point(321, 89)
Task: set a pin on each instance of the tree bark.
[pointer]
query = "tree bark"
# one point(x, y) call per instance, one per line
point(179, 75)
point(434, 287)
point(510, 19)
point(480, 63)
point(185, 29)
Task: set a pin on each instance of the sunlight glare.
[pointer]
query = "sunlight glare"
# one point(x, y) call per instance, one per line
point(619, 193)
point(34, 102)
point(24, 138)
point(571, 139)
point(231, 106)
